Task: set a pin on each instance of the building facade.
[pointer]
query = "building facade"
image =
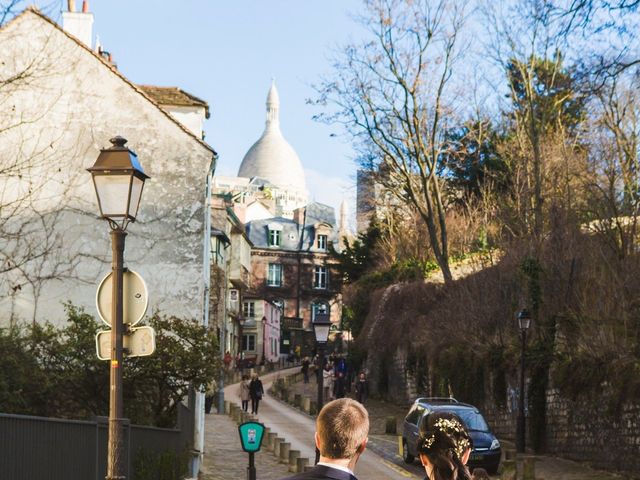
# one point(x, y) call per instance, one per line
point(291, 264)
point(68, 100)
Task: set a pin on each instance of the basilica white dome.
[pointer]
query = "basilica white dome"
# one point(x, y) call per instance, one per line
point(271, 157)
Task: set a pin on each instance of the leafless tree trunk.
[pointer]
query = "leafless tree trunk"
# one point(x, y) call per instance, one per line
point(392, 96)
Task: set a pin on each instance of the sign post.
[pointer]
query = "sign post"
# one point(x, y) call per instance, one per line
point(251, 434)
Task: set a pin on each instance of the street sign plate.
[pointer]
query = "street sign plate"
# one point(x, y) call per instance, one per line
point(103, 344)
point(251, 434)
point(139, 342)
point(134, 296)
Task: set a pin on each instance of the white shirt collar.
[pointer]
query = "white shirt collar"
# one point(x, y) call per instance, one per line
point(337, 467)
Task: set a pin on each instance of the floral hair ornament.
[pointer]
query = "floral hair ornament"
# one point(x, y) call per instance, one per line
point(449, 426)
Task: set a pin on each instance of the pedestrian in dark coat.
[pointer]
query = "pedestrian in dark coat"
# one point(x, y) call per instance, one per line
point(305, 369)
point(341, 437)
point(256, 391)
point(362, 388)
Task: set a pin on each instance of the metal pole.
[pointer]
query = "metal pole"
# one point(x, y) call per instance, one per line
point(251, 469)
point(320, 386)
point(115, 464)
point(520, 426)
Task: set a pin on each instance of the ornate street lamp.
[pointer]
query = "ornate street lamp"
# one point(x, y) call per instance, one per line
point(118, 179)
point(524, 322)
point(321, 327)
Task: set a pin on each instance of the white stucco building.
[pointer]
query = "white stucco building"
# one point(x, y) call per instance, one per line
point(63, 104)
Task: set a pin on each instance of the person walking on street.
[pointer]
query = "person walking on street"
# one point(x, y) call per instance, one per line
point(444, 446)
point(362, 388)
point(342, 428)
point(305, 369)
point(256, 391)
point(209, 396)
point(327, 382)
point(244, 392)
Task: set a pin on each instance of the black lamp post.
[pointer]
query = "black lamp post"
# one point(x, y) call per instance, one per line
point(118, 179)
point(241, 321)
point(524, 322)
point(321, 327)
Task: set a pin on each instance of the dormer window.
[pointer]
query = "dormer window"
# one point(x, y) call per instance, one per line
point(275, 234)
point(322, 242)
point(274, 238)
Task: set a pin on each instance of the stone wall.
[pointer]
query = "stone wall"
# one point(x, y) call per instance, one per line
point(592, 430)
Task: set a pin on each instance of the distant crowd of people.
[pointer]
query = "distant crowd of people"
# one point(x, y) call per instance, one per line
point(337, 377)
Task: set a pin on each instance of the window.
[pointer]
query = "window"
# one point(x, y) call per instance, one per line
point(274, 275)
point(415, 414)
point(319, 277)
point(217, 251)
point(249, 309)
point(322, 242)
point(249, 342)
point(318, 307)
point(274, 238)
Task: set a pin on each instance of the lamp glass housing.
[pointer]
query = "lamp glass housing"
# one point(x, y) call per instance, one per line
point(118, 180)
point(524, 319)
point(321, 327)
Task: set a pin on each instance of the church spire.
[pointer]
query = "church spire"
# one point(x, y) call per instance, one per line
point(273, 108)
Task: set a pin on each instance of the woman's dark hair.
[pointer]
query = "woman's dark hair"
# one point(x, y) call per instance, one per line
point(444, 440)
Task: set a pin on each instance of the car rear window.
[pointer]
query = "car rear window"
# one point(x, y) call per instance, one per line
point(415, 414)
point(473, 420)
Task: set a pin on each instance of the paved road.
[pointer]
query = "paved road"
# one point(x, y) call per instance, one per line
point(225, 460)
point(298, 429)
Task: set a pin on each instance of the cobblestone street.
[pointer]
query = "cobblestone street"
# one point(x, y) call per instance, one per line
point(224, 458)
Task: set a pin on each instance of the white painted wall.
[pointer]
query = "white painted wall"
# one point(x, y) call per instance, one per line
point(191, 117)
point(52, 126)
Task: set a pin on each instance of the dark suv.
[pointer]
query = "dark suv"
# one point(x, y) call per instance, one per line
point(486, 447)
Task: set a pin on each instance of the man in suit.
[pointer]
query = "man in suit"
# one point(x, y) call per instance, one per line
point(341, 436)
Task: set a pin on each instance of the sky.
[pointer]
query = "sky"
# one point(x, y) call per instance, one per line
point(226, 52)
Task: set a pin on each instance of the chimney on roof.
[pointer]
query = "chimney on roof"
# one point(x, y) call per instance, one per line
point(78, 24)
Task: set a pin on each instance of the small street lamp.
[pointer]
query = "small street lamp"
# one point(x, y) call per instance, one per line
point(321, 327)
point(524, 322)
point(241, 322)
point(118, 180)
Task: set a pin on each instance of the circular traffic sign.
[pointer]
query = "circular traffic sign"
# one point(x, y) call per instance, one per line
point(135, 298)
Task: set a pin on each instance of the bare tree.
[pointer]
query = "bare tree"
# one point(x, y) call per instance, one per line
point(613, 178)
point(392, 94)
point(36, 178)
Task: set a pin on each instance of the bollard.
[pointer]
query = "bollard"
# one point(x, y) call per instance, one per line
point(306, 404)
point(297, 400)
point(301, 464)
point(313, 407)
point(276, 446)
point(271, 436)
point(390, 426)
point(294, 455)
point(227, 407)
point(235, 412)
point(285, 447)
point(529, 468)
point(508, 470)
